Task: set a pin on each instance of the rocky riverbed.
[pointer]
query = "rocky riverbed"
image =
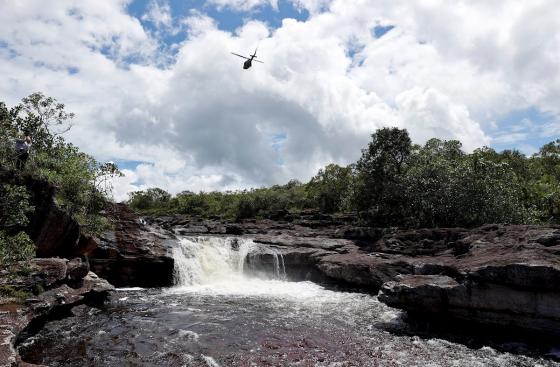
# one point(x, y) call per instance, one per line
point(493, 287)
point(224, 311)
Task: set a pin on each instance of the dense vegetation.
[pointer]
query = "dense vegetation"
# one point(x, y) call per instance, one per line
point(76, 175)
point(398, 183)
point(15, 245)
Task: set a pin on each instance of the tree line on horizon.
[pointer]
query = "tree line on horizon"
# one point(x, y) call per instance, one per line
point(396, 183)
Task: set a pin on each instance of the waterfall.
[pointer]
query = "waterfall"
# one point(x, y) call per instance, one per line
point(211, 260)
point(279, 266)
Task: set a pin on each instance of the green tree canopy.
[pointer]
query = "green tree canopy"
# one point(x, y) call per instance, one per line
point(329, 188)
point(379, 185)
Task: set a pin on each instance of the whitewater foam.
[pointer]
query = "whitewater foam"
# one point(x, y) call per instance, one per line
point(216, 266)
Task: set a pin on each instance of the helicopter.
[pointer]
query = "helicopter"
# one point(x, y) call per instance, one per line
point(249, 60)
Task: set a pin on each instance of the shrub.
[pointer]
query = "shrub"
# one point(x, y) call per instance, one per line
point(15, 245)
point(15, 248)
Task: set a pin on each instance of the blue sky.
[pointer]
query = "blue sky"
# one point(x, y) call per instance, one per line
point(523, 130)
point(156, 90)
point(227, 18)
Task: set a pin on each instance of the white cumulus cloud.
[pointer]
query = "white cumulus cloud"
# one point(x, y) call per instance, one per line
point(200, 122)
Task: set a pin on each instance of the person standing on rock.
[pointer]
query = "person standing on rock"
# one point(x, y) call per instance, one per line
point(23, 146)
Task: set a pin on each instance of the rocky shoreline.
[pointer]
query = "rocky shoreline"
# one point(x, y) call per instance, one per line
point(64, 284)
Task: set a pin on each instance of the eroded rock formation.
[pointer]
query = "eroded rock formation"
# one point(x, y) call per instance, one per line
point(58, 285)
point(133, 254)
point(505, 275)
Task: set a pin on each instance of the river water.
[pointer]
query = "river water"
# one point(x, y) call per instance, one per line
point(218, 315)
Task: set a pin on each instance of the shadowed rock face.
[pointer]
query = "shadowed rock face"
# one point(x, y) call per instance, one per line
point(485, 303)
point(130, 255)
point(369, 271)
point(133, 254)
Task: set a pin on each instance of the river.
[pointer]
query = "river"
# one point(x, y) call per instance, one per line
point(220, 313)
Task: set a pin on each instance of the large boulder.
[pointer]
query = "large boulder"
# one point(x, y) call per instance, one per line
point(58, 285)
point(299, 257)
point(133, 254)
point(484, 303)
point(361, 270)
point(507, 276)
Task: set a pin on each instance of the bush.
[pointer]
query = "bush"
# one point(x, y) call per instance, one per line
point(15, 245)
point(15, 248)
point(154, 198)
point(399, 184)
point(7, 291)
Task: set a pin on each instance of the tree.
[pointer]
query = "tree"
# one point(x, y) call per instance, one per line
point(46, 119)
point(77, 176)
point(329, 189)
point(545, 183)
point(150, 199)
point(549, 159)
point(378, 191)
point(428, 183)
point(489, 191)
point(15, 244)
point(104, 175)
point(446, 187)
point(8, 132)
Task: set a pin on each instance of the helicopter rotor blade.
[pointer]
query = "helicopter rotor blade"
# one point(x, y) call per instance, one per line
point(259, 61)
point(233, 53)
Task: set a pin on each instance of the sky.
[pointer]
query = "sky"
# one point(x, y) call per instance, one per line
point(155, 88)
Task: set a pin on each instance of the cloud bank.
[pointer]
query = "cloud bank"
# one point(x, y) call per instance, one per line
point(162, 93)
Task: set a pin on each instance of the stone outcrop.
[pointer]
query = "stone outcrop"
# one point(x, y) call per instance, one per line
point(484, 303)
point(503, 275)
point(58, 285)
point(300, 255)
point(364, 270)
point(306, 224)
point(133, 254)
